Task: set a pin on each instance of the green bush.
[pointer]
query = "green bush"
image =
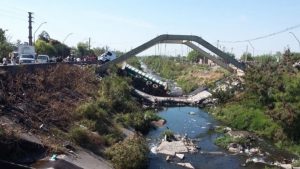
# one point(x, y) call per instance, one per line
point(113, 137)
point(86, 139)
point(249, 115)
point(169, 134)
point(151, 116)
point(139, 121)
point(224, 141)
point(130, 154)
point(90, 124)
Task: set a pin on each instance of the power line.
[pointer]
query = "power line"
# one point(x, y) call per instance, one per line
point(8, 10)
point(265, 36)
point(11, 16)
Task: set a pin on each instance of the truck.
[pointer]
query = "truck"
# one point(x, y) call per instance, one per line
point(107, 56)
point(26, 54)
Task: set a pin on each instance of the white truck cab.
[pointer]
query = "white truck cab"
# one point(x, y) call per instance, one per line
point(107, 56)
point(26, 54)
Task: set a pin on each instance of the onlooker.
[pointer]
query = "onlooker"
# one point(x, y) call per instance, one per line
point(4, 61)
point(13, 59)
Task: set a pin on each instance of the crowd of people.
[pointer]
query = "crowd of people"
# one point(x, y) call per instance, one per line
point(13, 59)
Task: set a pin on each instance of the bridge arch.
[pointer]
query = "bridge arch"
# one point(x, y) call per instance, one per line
point(180, 39)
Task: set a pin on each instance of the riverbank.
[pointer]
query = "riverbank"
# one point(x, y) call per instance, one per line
point(67, 111)
point(268, 105)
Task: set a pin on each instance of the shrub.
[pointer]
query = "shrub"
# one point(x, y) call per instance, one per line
point(224, 141)
point(86, 139)
point(169, 134)
point(139, 121)
point(151, 116)
point(130, 154)
point(249, 115)
point(97, 118)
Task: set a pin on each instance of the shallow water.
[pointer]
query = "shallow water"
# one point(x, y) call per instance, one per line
point(180, 121)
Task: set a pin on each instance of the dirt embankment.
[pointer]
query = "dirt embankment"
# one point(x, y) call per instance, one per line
point(41, 102)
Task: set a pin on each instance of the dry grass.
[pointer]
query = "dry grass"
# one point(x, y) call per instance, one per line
point(46, 96)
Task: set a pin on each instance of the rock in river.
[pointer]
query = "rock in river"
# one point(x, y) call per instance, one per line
point(171, 148)
point(187, 165)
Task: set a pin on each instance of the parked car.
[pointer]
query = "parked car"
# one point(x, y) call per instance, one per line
point(43, 59)
point(53, 59)
point(26, 59)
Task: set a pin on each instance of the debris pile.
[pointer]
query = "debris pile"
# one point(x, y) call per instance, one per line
point(177, 148)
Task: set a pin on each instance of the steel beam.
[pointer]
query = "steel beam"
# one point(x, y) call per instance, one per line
point(174, 38)
point(209, 56)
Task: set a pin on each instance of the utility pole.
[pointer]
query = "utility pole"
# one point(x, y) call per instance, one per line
point(30, 27)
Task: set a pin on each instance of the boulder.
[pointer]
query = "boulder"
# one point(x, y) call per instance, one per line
point(286, 166)
point(227, 129)
point(254, 150)
point(158, 123)
point(180, 156)
point(186, 165)
point(234, 148)
point(171, 148)
point(168, 158)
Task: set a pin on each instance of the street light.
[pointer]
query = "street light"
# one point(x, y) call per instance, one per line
point(37, 30)
point(67, 37)
point(251, 47)
point(295, 37)
point(63, 49)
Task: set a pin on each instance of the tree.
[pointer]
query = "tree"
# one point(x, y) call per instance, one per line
point(44, 36)
point(266, 58)
point(62, 50)
point(132, 153)
point(51, 47)
point(98, 51)
point(83, 49)
point(43, 47)
point(193, 56)
point(247, 57)
point(5, 46)
point(230, 54)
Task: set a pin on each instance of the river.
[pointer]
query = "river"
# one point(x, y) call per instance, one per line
point(196, 126)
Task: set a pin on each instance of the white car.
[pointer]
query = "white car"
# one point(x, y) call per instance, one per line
point(43, 59)
point(26, 59)
point(107, 56)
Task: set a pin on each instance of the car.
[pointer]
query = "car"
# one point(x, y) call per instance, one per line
point(26, 59)
point(106, 57)
point(43, 59)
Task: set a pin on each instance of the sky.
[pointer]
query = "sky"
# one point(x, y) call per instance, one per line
point(126, 24)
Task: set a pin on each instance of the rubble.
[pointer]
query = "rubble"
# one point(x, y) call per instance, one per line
point(180, 156)
point(186, 165)
point(171, 148)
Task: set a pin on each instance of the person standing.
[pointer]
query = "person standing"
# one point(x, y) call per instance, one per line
point(4, 61)
point(13, 59)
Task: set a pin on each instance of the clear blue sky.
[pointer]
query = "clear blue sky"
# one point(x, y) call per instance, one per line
point(125, 24)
